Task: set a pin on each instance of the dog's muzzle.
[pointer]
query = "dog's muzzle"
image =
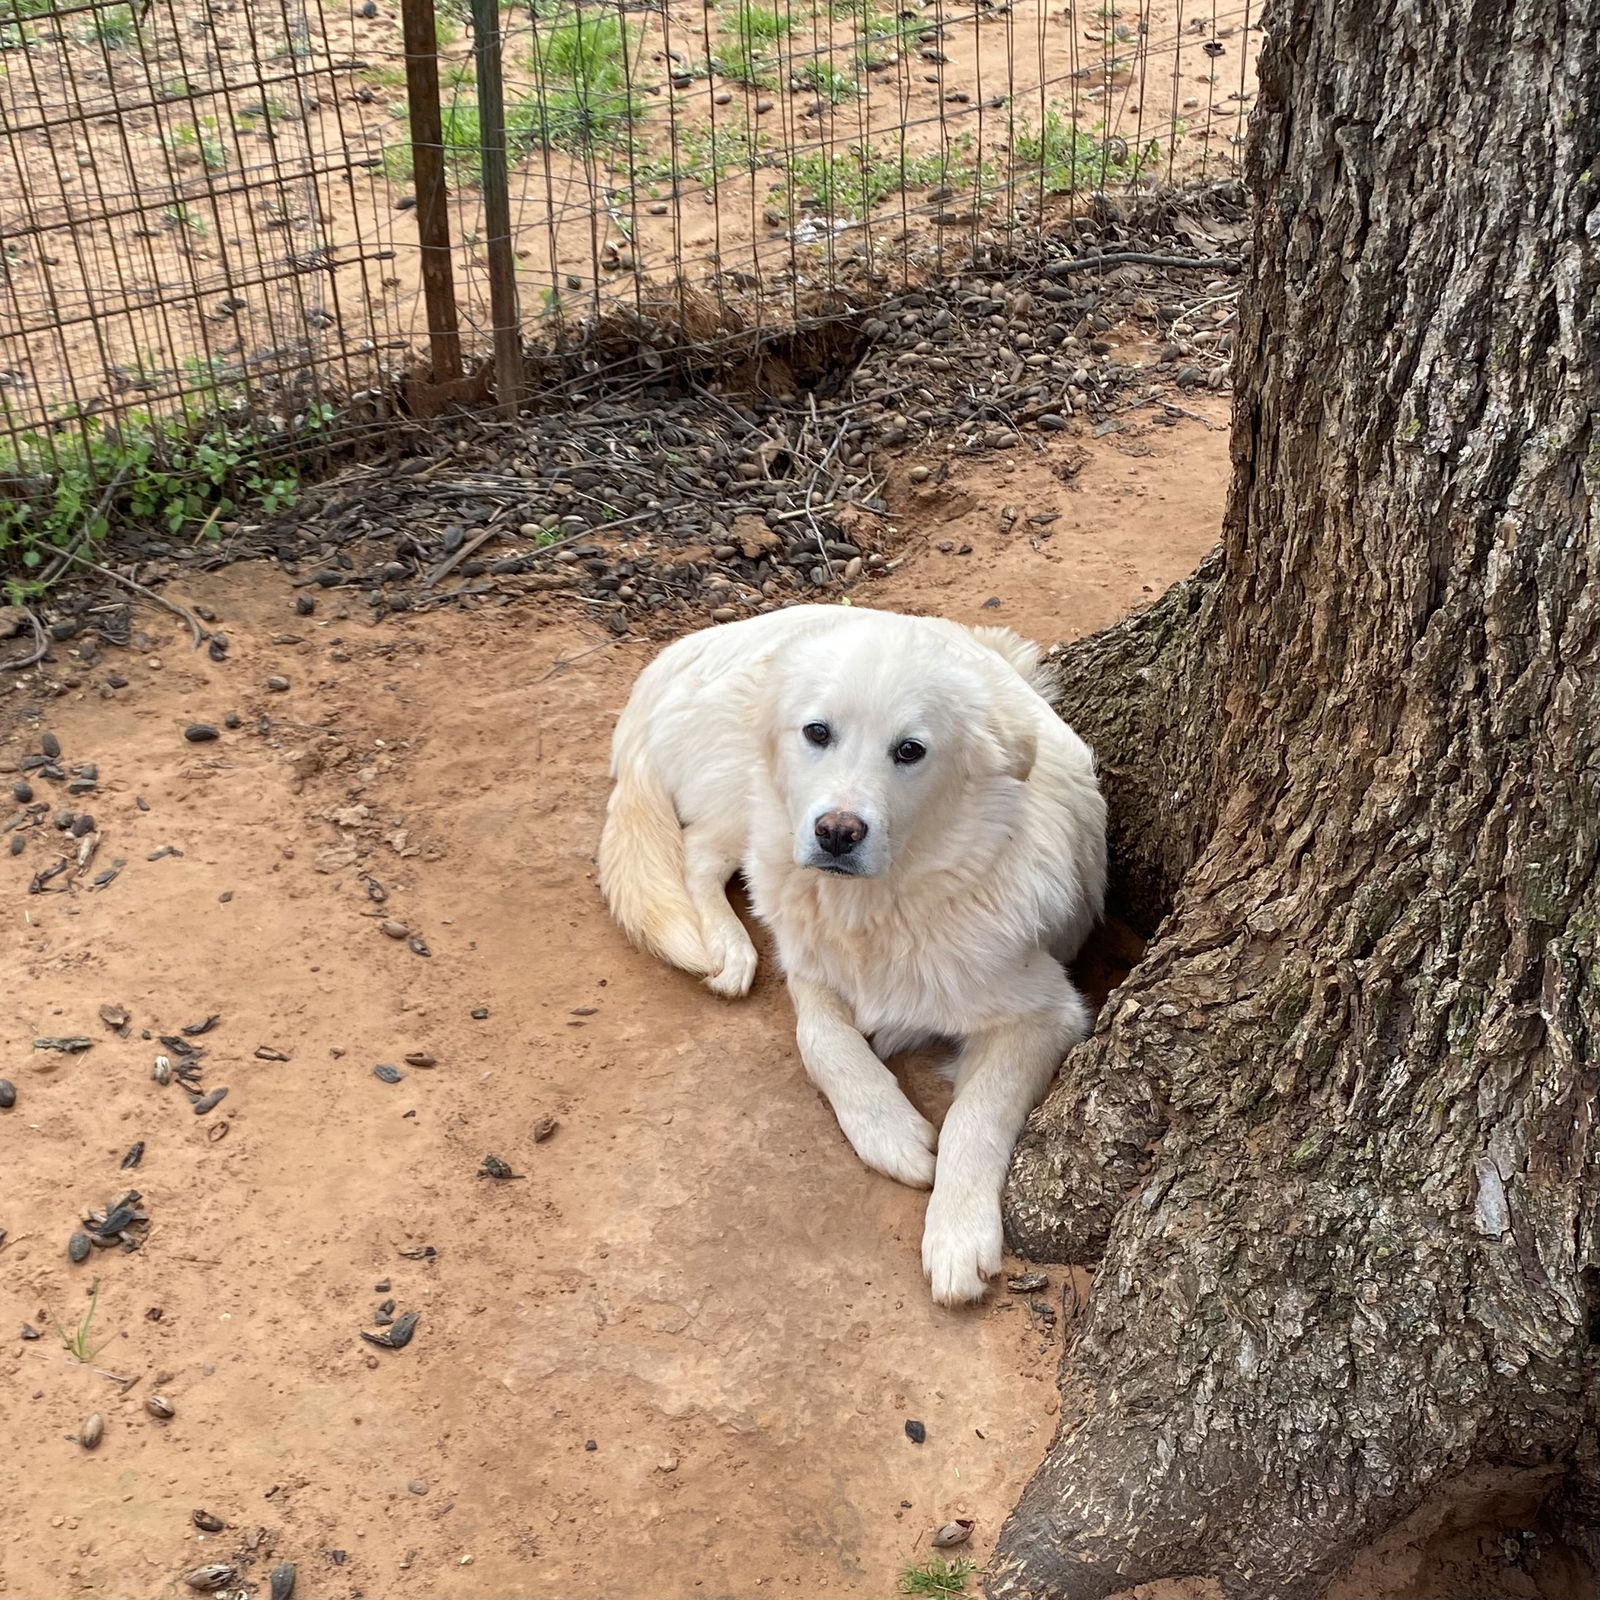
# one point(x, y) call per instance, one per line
point(838, 834)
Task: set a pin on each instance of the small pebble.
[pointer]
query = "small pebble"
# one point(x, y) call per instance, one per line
point(28, 1331)
point(93, 1431)
point(51, 746)
point(418, 1486)
point(78, 1246)
point(232, 720)
point(8, 1094)
point(200, 733)
point(589, 1444)
point(543, 1128)
point(420, 1058)
point(277, 685)
point(479, 1013)
point(18, 844)
point(22, 792)
point(209, 1102)
point(418, 946)
point(388, 1074)
point(158, 1406)
point(916, 1432)
point(206, 1522)
point(395, 930)
point(382, 1287)
point(281, 1583)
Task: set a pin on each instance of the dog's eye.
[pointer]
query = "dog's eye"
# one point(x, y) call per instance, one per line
point(817, 733)
point(908, 751)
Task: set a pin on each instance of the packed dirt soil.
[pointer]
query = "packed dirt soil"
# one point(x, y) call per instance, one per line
point(676, 1351)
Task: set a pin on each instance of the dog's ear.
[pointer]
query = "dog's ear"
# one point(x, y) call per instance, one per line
point(1013, 730)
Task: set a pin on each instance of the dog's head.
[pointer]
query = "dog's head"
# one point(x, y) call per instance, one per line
point(885, 744)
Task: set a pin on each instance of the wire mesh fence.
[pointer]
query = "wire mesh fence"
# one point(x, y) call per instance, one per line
point(776, 149)
point(226, 226)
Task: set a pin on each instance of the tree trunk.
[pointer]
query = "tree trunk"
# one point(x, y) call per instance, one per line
point(1334, 1142)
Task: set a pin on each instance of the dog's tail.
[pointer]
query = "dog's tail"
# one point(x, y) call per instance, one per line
point(642, 870)
point(1023, 654)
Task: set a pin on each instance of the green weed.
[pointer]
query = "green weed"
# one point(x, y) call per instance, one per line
point(179, 215)
point(880, 33)
point(77, 1341)
point(750, 50)
point(707, 155)
point(188, 467)
point(850, 182)
point(936, 1577)
point(583, 99)
point(1061, 157)
point(826, 80)
point(113, 28)
point(200, 140)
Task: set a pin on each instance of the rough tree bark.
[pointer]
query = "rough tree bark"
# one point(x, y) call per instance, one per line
point(1334, 1143)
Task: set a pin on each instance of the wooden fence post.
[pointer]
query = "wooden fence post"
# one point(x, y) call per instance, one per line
point(503, 307)
point(427, 166)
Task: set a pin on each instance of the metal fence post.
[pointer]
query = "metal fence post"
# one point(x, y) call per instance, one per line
point(497, 205)
point(427, 165)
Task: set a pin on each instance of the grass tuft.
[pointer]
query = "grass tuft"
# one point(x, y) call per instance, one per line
point(1064, 158)
point(828, 82)
point(751, 49)
point(77, 1341)
point(937, 1577)
point(849, 183)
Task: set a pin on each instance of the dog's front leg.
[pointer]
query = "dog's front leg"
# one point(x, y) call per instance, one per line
point(883, 1127)
point(1001, 1075)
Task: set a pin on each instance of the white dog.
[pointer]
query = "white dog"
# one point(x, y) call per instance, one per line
point(924, 837)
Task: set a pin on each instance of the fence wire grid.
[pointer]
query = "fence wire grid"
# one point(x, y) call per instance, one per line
point(208, 207)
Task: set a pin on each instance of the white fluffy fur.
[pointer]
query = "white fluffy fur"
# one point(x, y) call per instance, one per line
point(982, 872)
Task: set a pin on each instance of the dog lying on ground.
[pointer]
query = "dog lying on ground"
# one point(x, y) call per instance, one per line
point(924, 837)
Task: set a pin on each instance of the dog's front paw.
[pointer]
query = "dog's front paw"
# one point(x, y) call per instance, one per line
point(962, 1246)
point(733, 966)
point(893, 1138)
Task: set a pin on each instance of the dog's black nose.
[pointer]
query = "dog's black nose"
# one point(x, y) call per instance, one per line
point(839, 832)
